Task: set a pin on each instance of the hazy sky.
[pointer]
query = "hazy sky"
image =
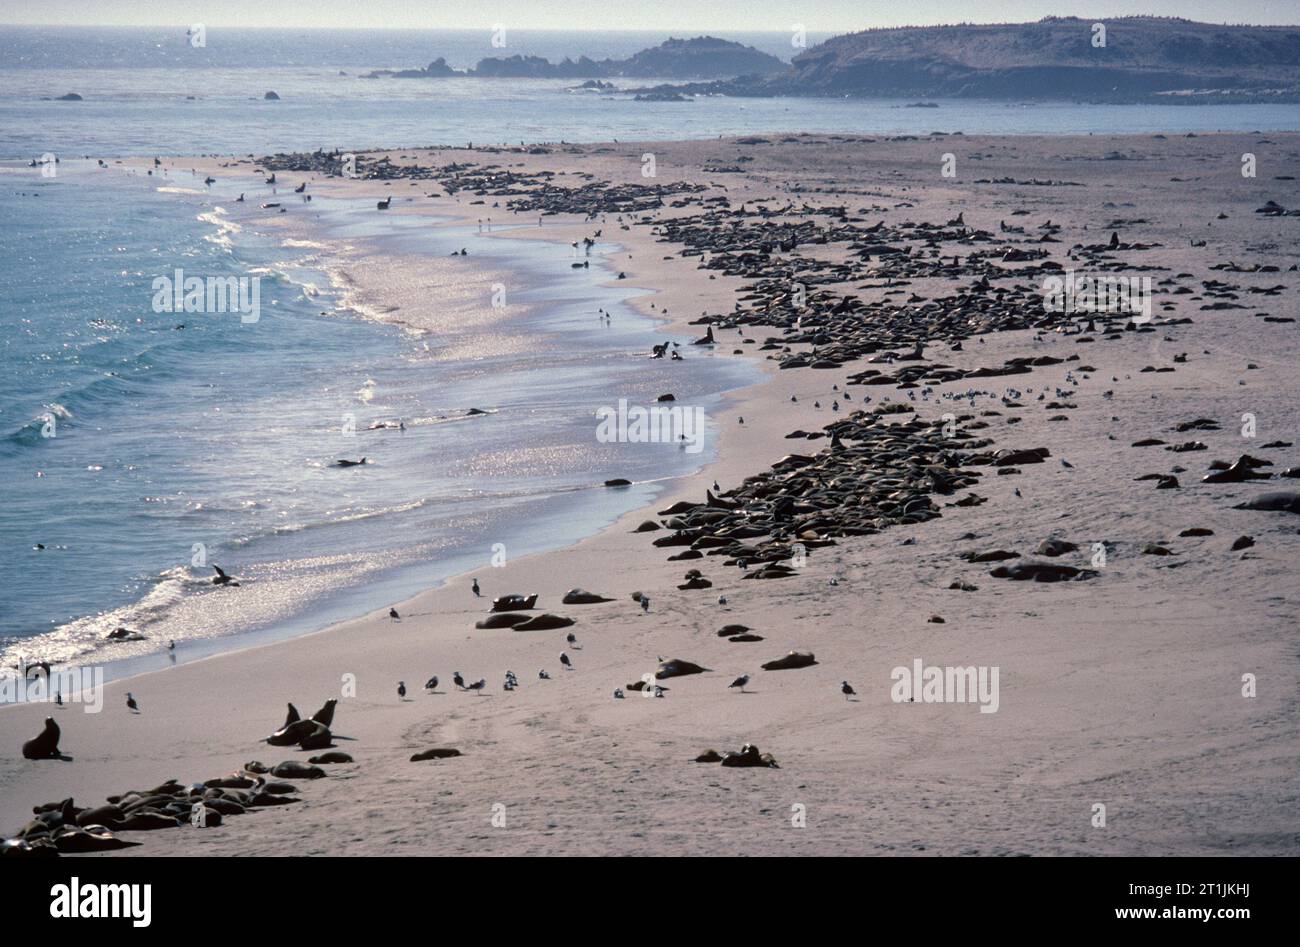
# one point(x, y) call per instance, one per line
point(659, 15)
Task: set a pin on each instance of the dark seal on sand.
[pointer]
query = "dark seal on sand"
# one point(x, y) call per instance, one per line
point(46, 745)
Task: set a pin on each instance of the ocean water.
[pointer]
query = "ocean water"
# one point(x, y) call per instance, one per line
point(148, 91)
point(182, 440)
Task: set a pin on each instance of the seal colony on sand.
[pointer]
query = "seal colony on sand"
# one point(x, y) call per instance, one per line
point(64, 828)
point(837, 291)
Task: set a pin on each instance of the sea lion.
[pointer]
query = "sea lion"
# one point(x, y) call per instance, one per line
point(676, 667)
point(45, 746)
point(438, 753)
point(318, 738)
point(293, 733)
point(292, 769)
point(503, 620)
point(583, 597)
point(1242, 469)
point(514, 603)
point(791, 661)
point(1041, 572)
point(292, 717)
point(1281, 501)
point(749, 756)
point(544, 622)
point(325, 716)
point(71, 840)
point(334, 756)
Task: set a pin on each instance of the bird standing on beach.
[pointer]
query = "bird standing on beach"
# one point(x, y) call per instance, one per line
point(392, 613)
point(401, 690)
point(477, 686)
point(458, 680)
point(645, 603)
point(740, 682)
point(564, 659)
point(847, 691)
point(131, 705)
point(572, 640)
point(542, 675)
point(432, 683)
point(475, 589)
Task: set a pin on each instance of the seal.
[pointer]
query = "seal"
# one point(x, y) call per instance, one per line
point(503, 620)
point(514, 603)
point(793, 660)
point(544, 622)
point(1280, 501)
point(583, 597)
point(46, 745)
point(325, 716)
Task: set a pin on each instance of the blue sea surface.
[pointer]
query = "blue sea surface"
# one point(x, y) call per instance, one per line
point(139, 448)
point(149, 91)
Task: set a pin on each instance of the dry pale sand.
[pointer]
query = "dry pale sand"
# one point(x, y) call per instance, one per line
point(1125, 690)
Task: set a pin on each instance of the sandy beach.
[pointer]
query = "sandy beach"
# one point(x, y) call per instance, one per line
point(1124, 687)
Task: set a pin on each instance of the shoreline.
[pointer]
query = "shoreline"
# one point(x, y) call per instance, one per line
point(585, 773)
point(319, 618)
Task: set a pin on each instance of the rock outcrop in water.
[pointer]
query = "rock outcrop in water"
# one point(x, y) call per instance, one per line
point(1142, 59)
point(704, 57)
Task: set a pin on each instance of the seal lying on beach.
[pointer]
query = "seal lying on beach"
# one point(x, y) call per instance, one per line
point(792, 661)
point(46, 745)
point(503, 620)
point(514, 603)
point(544, 622)
point(676, 667)
point(1281, 501)
point(583, 597)
point(438, 753)
point(1041, 572)
point(749, 756)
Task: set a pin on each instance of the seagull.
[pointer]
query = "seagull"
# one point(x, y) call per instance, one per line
point(846, 690)
point(1066, 463)
point(221, 578)
point(659, 691)
point(740, 682)
point(392, 613)
point(474, 588)
point(722, 600)
point(458, 680)
point(131, 705)
point(542, 675)
point(618, 693)
point(432, 683)
point(401, 689)
point(572, 639)
point(478, 685)
point(645, 603)
point(564, 659)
